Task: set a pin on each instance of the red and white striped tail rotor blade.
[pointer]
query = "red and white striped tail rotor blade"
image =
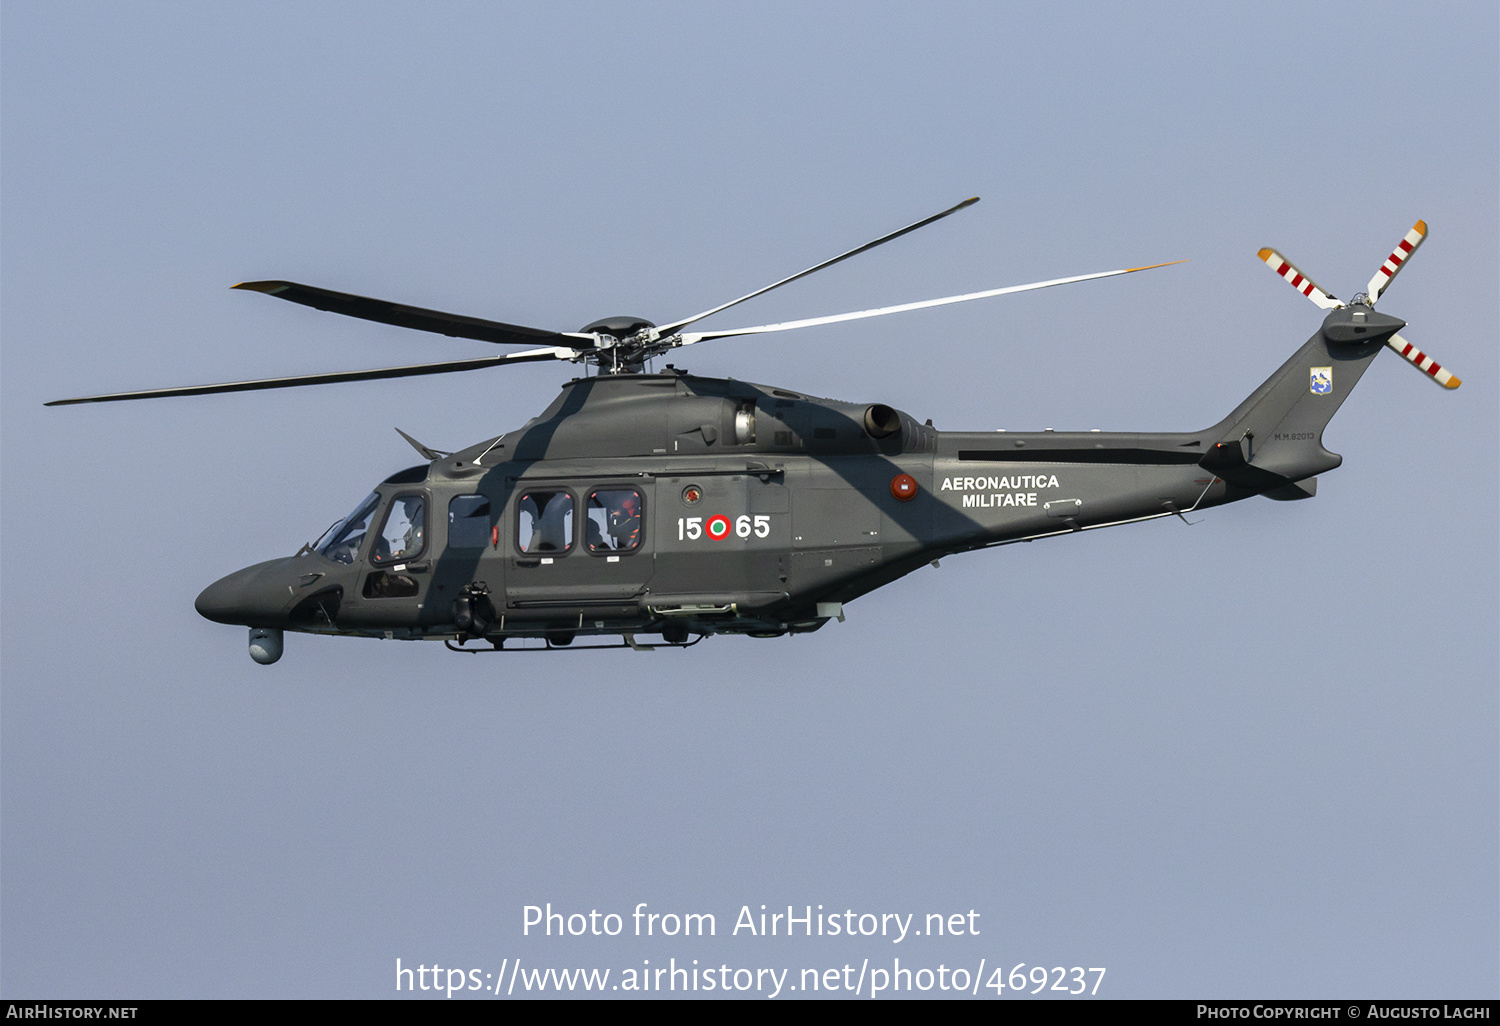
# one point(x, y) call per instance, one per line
point(1299, 281)
point(1398, 258)
point(1424, 363)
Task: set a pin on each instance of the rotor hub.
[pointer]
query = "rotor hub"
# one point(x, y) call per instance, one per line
point(618, 328)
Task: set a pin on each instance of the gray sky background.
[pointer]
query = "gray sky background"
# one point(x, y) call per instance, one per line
point(1254, 757)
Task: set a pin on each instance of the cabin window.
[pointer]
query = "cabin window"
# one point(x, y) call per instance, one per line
point(544, 522)
point(341, 542)
point(401, 536)
point(469, 522)
point(614, 520)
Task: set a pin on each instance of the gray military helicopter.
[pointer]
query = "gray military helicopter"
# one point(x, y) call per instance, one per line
point(667, 504)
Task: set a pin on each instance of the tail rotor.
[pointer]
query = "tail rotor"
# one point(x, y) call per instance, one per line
point(1378, 284)
point(1396, 261)
point(1424, 363)
point(1299, 281)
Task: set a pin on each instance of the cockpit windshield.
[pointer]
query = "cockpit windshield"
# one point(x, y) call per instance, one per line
point(341, 542)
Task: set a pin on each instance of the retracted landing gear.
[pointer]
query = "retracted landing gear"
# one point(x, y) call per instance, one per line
point(549, 644)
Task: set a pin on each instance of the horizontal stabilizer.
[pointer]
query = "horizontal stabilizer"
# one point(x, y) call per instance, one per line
point(1304, 489)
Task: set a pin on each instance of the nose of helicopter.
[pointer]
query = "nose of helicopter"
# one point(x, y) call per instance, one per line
point(253, 597)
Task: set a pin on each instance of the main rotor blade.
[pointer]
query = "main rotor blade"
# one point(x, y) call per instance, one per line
point(1324, 299)
point(453, 325)
point(411, 370)
point(1424, 363)
point(701, 336)
point(668, 329)
point(1396, 260)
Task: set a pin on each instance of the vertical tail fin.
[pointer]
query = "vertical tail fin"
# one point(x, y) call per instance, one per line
point(1276, 435)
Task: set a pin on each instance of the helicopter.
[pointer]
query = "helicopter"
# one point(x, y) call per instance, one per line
point(646, 503)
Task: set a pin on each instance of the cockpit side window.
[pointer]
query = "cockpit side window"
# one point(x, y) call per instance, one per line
point(342, 541)
point(544, 522)
point(614, 520)
point(401, 537)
